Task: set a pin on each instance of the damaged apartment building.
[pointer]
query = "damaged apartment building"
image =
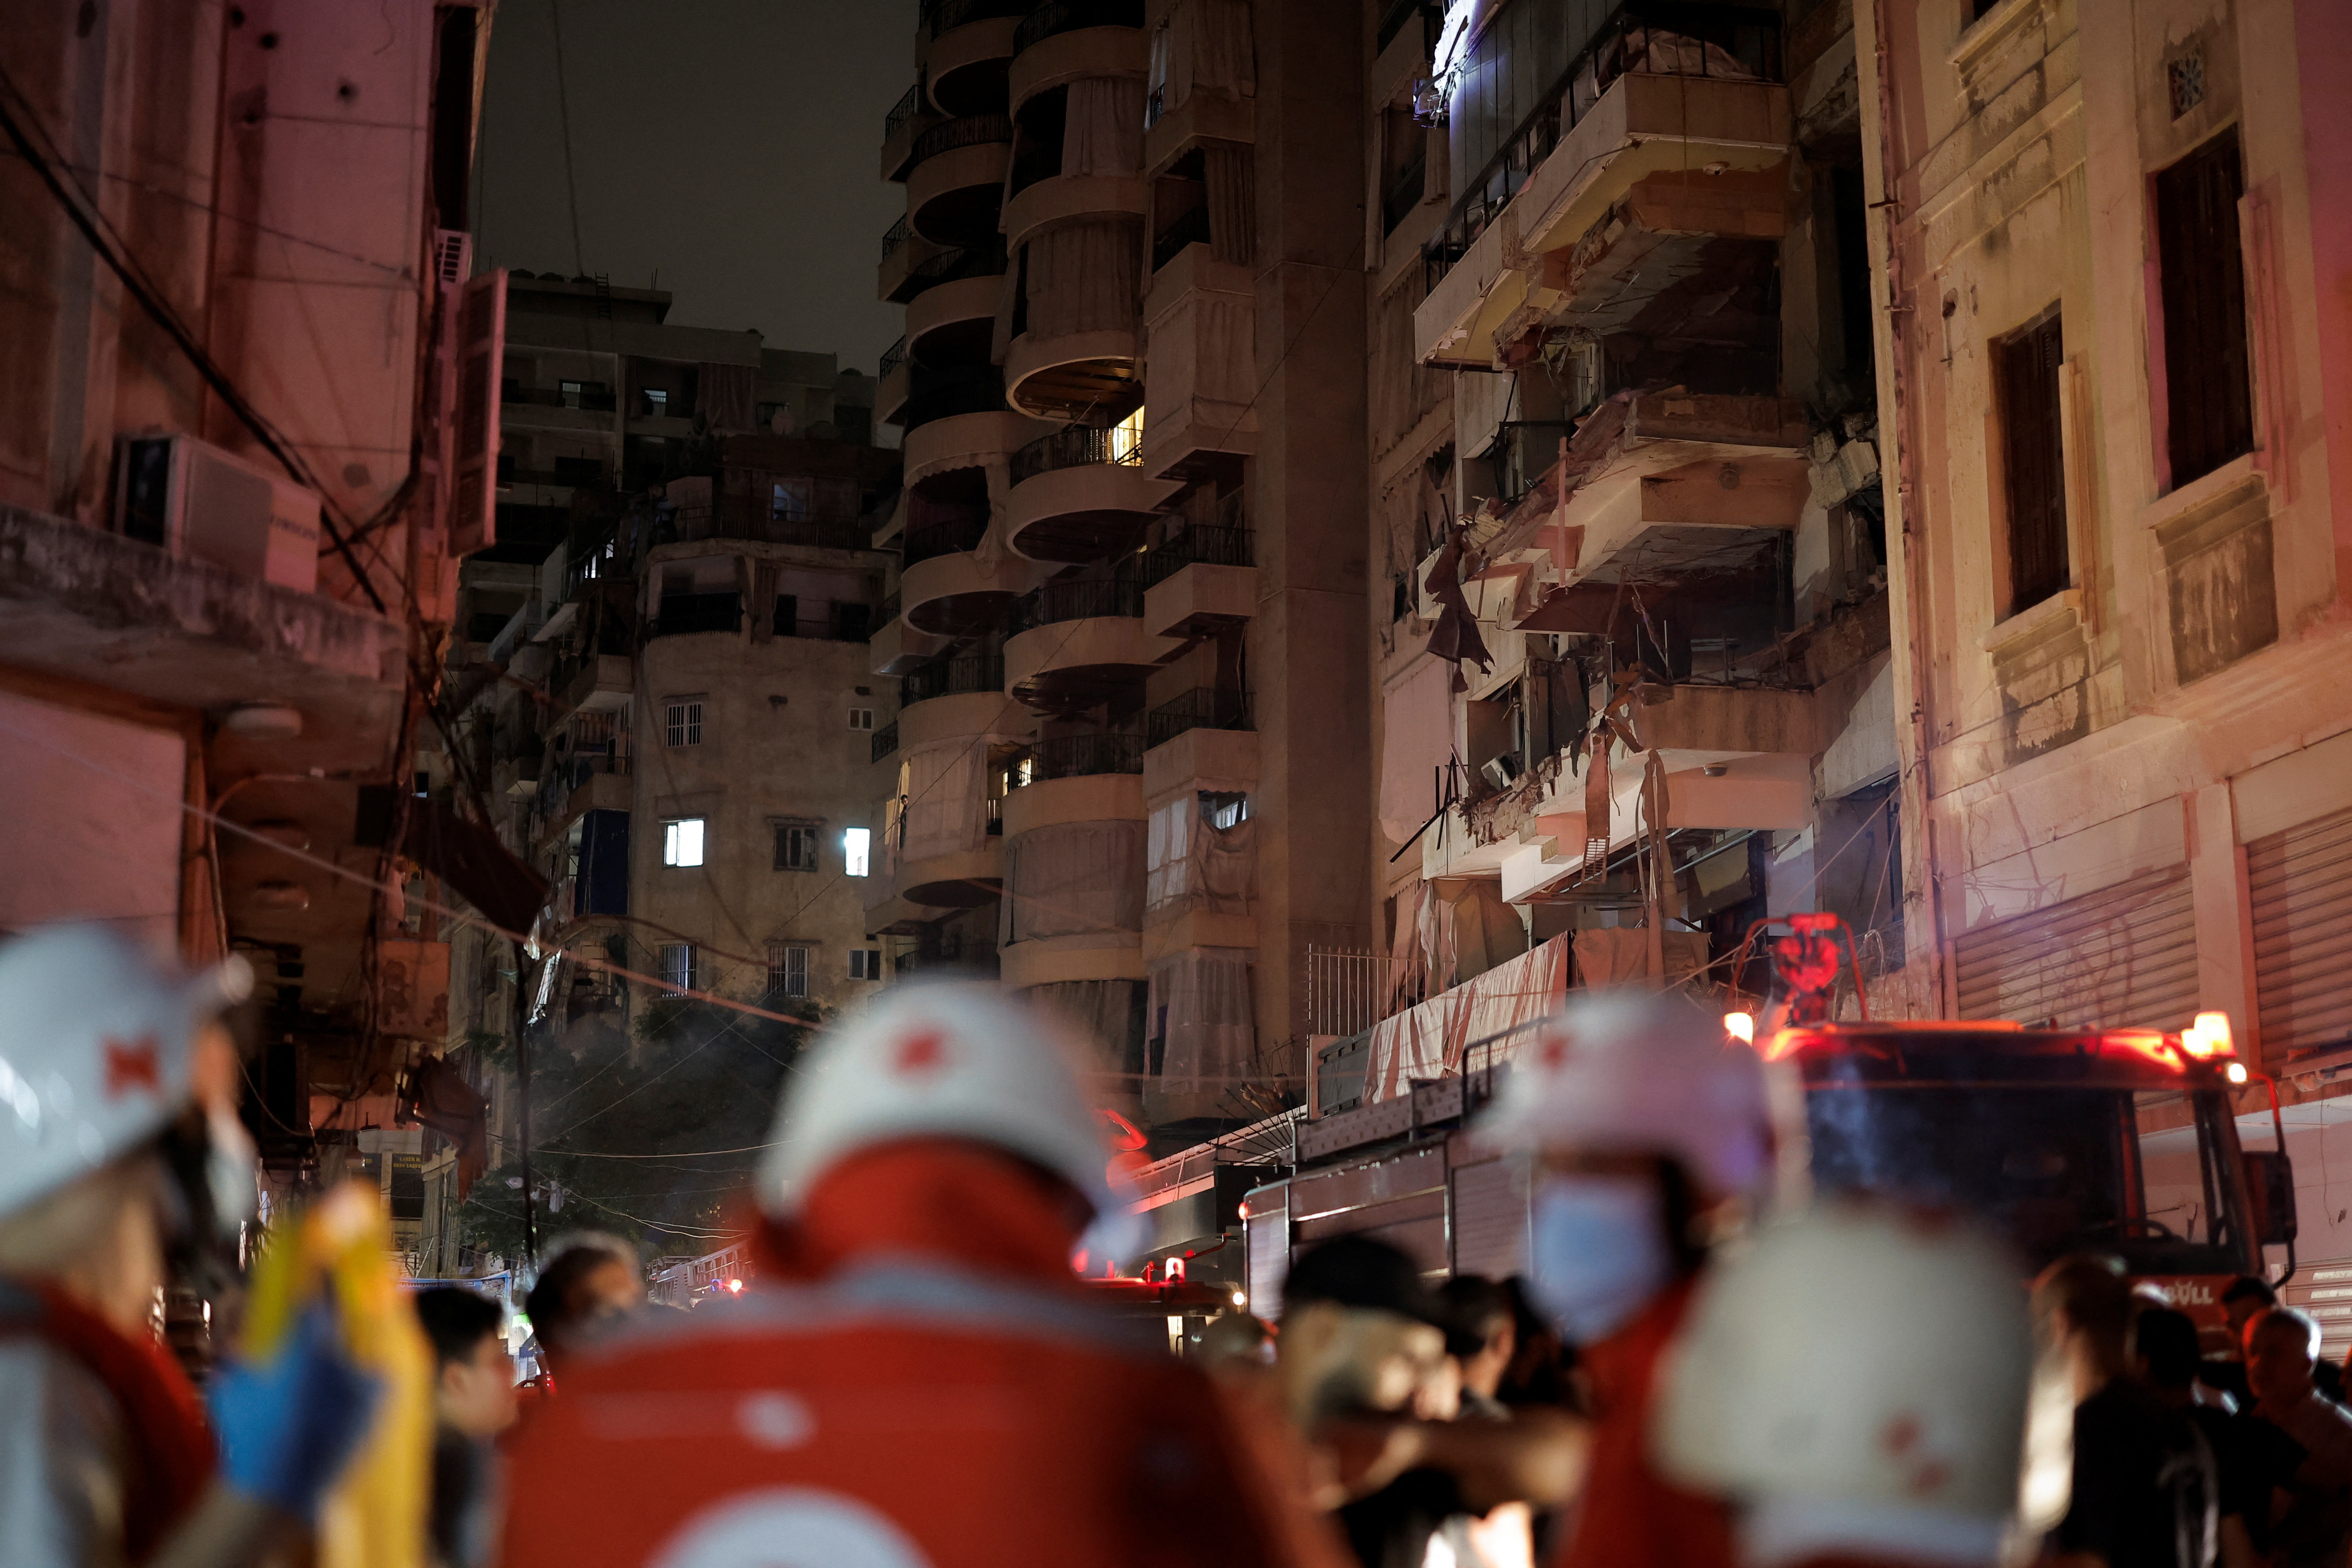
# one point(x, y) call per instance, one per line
point(1126, 621)
point(1632, 666)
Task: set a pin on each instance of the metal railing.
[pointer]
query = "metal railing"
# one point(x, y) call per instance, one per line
point(886, 740)
point(947, 16)
point(1077, 447)
point(953, 677)
point(965, 130)
point(968, 389)
point(1348, 990)
point(1055, 16)
point(893, 357)
point(1670, 38)
point(893, 237)
point(684, 613)
point(955, 264)
point(903, 110)
point(1050, 604)
point(1202, 708)
point(1082, 757)
point(889, 610)
point(755, 517)
point(932, 540)
point(1203, 543)
point(1524, 451)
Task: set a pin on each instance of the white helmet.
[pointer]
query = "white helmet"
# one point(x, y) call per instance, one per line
point(943, 1060)
point(95, 1044)
point(1630, 1071)
point(1857, 1379)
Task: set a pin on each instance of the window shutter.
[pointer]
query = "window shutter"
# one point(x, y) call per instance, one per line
point(2300, 884)
point(481, 351)
point(2033, 453)
point(2121, 957)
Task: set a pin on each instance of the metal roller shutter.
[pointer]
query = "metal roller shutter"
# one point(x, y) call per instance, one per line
point(1266, 1239)
point(2301, 887)
point(1490, 1218)
point(2125, 955)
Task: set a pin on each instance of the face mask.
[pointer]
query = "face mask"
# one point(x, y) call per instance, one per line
point(1600, 1251)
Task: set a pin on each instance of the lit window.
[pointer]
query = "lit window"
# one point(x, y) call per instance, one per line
point(677, 967)
point(788, 970)
point(865, 963)
point(682, 841)
point(657, 401)
point(1127, 440)
point(795, 846)
point(861, 718)
point(682, 722)
point(570, 394)
point(856, 845)
point(1220, 809)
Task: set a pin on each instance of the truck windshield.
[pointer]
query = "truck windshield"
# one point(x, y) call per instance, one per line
point(2054, 1169)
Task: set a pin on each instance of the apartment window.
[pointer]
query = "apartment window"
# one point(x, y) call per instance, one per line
point(571, 390)
point(677, 970)
point(865, 963)
point(2208, 392)
point(682, 721)
point(2025, 373)
point(788, 970)
point(795, 846)
point(861, 718)
point(1222, 809)
point(682, 841)
point(657, 402)
point(856, 846)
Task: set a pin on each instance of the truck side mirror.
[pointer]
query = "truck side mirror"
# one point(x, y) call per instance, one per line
point(2270, 1185)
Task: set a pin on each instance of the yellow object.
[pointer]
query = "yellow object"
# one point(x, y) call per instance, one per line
point(374, 1516)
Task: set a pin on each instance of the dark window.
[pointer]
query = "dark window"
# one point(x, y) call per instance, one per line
point(851, 619)
point(453, 114)
point(795, 847)
point(2025, 373)
point(865, 963)
point(2208, 399)
point(407, 1188)
point(788, 615)
point(1851, 209)
point(579, 471)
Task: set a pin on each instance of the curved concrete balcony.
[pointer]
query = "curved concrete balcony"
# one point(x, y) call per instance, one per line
point(1073, 501)
point(953, 595)
point(962, 441)
point(957, 881)
point(981, 714)
point(1064, 40)
point(1113, 795)
point(1074, 663)
point(895, 648)
point(957, 183)
point(1095, 956)
point(951, 323)
point(1059, 198)
point(970, 53)
point(1071, 374)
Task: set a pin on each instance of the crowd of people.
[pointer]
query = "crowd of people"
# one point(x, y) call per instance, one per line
point(1681, 1379)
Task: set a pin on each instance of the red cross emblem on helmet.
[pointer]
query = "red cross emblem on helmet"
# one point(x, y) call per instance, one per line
point(923, 1051)
point(135, 1065)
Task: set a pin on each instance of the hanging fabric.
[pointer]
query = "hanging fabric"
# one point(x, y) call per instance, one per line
point(1108, 1014)
point(727, 395)
point(1201, 1008)
point(1008, 304)
point(1233, 204)
point(946, 804)
point(1082, 277)
point(1074, 878)
point(1103, 129)
point(1416, 721)
point(1210, 51)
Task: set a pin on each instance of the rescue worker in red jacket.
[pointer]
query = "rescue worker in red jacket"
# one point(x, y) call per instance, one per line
point(1857, 1381)
point(917, 1377)
point(1653, 1133)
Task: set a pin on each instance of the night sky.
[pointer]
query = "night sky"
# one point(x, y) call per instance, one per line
point(730, 145)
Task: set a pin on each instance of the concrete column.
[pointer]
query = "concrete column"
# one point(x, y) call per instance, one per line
point(2225, 926)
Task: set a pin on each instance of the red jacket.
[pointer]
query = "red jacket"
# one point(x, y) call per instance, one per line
point(927, 1385)
point(1630, 1516)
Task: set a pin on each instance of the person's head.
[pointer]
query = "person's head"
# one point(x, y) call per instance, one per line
point(591, 1281)
point(1482, 1314)
point(1538, 1373)
point(2282, 1349)
point(940, 1065)
point(122, 1140)
point(1653, 1127)
point(473, 1388)
point(1235, 1339)
point(1857, 1381)
point(1360, 1332)
point(2242, 1299)
point(2163, 1349)
point(2083, 1310)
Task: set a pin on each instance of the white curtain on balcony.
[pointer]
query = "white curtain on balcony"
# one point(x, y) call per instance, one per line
point(727, 395)
point(1074, 878)
point(1416, 739)
point(1200, 1004)
point(1232, 181)
point(1430, 1041)
point(1191, 864)
point(1103, 133)
point(945, 790)
point(1210, 51)
point(1106, 1013)
point(1202, 349)
point(1083, 277)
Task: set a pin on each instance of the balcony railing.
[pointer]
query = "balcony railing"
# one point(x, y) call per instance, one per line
point(953, 677)
point(1660, 39)
point(1202, 708)
point(893, 237)
point(1081, 756)
point(886, 740)
point(967, 389)
point(947, 16)
point(968, 131)
point(889, 610)
point(1077, 447)
point(1056, 17)
point(894, 356)
point(932, 540)
point(1054, 603)
point(1203, 545)
point(755, 517)
point(951, 266)
point(683, 613)
point(903, 110)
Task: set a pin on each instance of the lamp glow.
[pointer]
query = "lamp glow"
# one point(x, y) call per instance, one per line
point(1740, 1027)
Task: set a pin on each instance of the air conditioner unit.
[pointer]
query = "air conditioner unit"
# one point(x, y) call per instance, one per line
point(1502, 772)
point(196, 500)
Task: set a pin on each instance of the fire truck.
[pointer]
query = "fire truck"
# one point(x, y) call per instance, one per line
point(2119, 1139)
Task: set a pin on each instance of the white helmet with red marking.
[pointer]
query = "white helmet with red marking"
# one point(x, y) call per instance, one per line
point(939, 1060)
point(1858, 1381)
point(95, 1050)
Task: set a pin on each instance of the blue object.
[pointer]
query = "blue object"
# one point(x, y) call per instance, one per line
point(289, 1424)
